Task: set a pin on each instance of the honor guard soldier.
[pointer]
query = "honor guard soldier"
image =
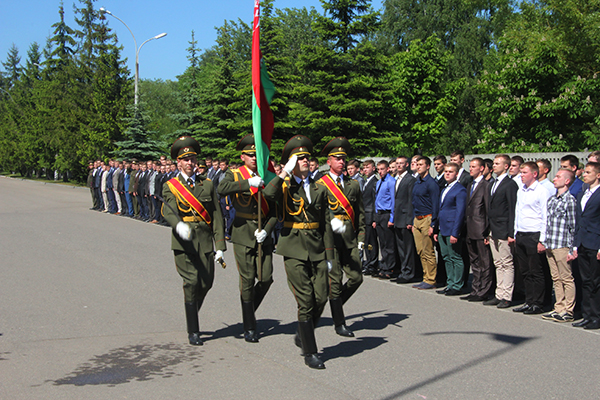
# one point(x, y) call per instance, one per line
point(306, 241)
point(256, 275)
point(348, 225)
point(192, 209)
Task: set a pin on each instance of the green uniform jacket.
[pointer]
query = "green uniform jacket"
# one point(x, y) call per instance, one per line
point(202, 233)
point(351, 190)
point(234, 185)
point(132, 175)
point(303, 244)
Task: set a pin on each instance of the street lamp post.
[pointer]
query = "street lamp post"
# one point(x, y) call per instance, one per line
point(137, 51)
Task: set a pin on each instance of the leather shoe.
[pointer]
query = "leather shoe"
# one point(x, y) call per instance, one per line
point(313, 361)
point(594, 324)
point(442, 291)
point(401, 280)
point(492, 302)
point(384, 275)
point(452, 292)
point(504, 304)
point(194, 339)
point(251, 336)
point(533, 310)
point(467, 297)
point(343, 330)
point(523, 308)
point(476, 299)
point(581, 323)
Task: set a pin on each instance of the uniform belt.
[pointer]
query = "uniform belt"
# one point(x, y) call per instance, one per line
point(192, 219)
point(384, 211)
point(343, 217)
point(301, 225)
point(246, 216)
point(420, 217)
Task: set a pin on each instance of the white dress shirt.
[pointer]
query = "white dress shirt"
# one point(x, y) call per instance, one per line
point(532, 209)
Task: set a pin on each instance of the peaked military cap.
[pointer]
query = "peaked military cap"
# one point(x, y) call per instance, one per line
point(246, 145)
point(298, 145)
point(337, 147)
point(185, 146)
point(134, 161)
point(202, 164)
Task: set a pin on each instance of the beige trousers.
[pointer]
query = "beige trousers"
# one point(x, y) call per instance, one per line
point(424, 245)
point(505, 269)
point(562, 278)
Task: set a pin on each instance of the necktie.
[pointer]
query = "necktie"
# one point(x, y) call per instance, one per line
point(473, 188)
point(190, 182)
point(339, 181)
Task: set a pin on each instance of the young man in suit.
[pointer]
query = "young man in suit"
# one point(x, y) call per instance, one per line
point(193, 211)
point(586, 247)
point(371, 263)
point(384, 219)
point(403, 218)
point(449, 225)
point(458, 157)
point(501, 216)
point(348, 224)
point(571, 162)
point(478, 231)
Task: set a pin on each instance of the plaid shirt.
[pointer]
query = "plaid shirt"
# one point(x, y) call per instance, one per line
point(560, 225)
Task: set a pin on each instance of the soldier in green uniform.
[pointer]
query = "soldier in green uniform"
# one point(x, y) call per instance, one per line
point(306, 241)
point(132, 189)
point(348, 224)
point(256, 275)
point(192, 209)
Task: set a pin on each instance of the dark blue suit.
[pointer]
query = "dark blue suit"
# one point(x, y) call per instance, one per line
point(587, 241)
point(112, 206)
point(451, 218)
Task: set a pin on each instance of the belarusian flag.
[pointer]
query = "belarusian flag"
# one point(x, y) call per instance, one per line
point(262, 93)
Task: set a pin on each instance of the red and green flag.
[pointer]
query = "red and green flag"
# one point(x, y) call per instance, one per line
point(262, 94)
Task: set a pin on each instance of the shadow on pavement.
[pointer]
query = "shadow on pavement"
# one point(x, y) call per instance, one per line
point(510, 340)
point(136, 362)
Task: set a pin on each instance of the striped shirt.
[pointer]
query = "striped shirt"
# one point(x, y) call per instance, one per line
point(560, 225)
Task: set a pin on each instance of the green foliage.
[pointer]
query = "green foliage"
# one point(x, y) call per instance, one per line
point(137, 143)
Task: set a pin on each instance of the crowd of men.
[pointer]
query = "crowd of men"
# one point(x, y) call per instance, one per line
point(521, 235)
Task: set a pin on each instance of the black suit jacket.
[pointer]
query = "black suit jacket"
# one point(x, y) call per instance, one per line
point(403, 210)
point(587, 228)
point(465, 178)
point(441, 182)
point(369, 200)
point(476, 215)
point(501, 210)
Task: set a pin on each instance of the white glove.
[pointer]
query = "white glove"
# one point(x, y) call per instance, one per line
point(184, 231)
point(291, 164)
point(260, 235)
point(219, 255)
point(256, 181)
point(361, 245)
point(338, 226)
point(329, 265)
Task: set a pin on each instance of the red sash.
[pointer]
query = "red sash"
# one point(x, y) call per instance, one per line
point(182, 193)
point(245, 172)
point(339, 195)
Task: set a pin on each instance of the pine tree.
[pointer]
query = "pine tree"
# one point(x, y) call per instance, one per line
point(136, 143)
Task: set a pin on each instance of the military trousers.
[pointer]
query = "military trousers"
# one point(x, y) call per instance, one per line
point(251, 269)
point(308, 282)
point(198, 274)
point(348, 261)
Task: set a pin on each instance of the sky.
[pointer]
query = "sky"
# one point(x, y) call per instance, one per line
point(23, 22)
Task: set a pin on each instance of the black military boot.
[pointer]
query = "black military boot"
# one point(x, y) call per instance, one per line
point(193, 328)
point(250, 334)
point(315, 319)
point(306, 331)
point(339, 321)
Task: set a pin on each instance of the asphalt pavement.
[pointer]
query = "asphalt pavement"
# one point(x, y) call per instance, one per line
point(91, 307)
